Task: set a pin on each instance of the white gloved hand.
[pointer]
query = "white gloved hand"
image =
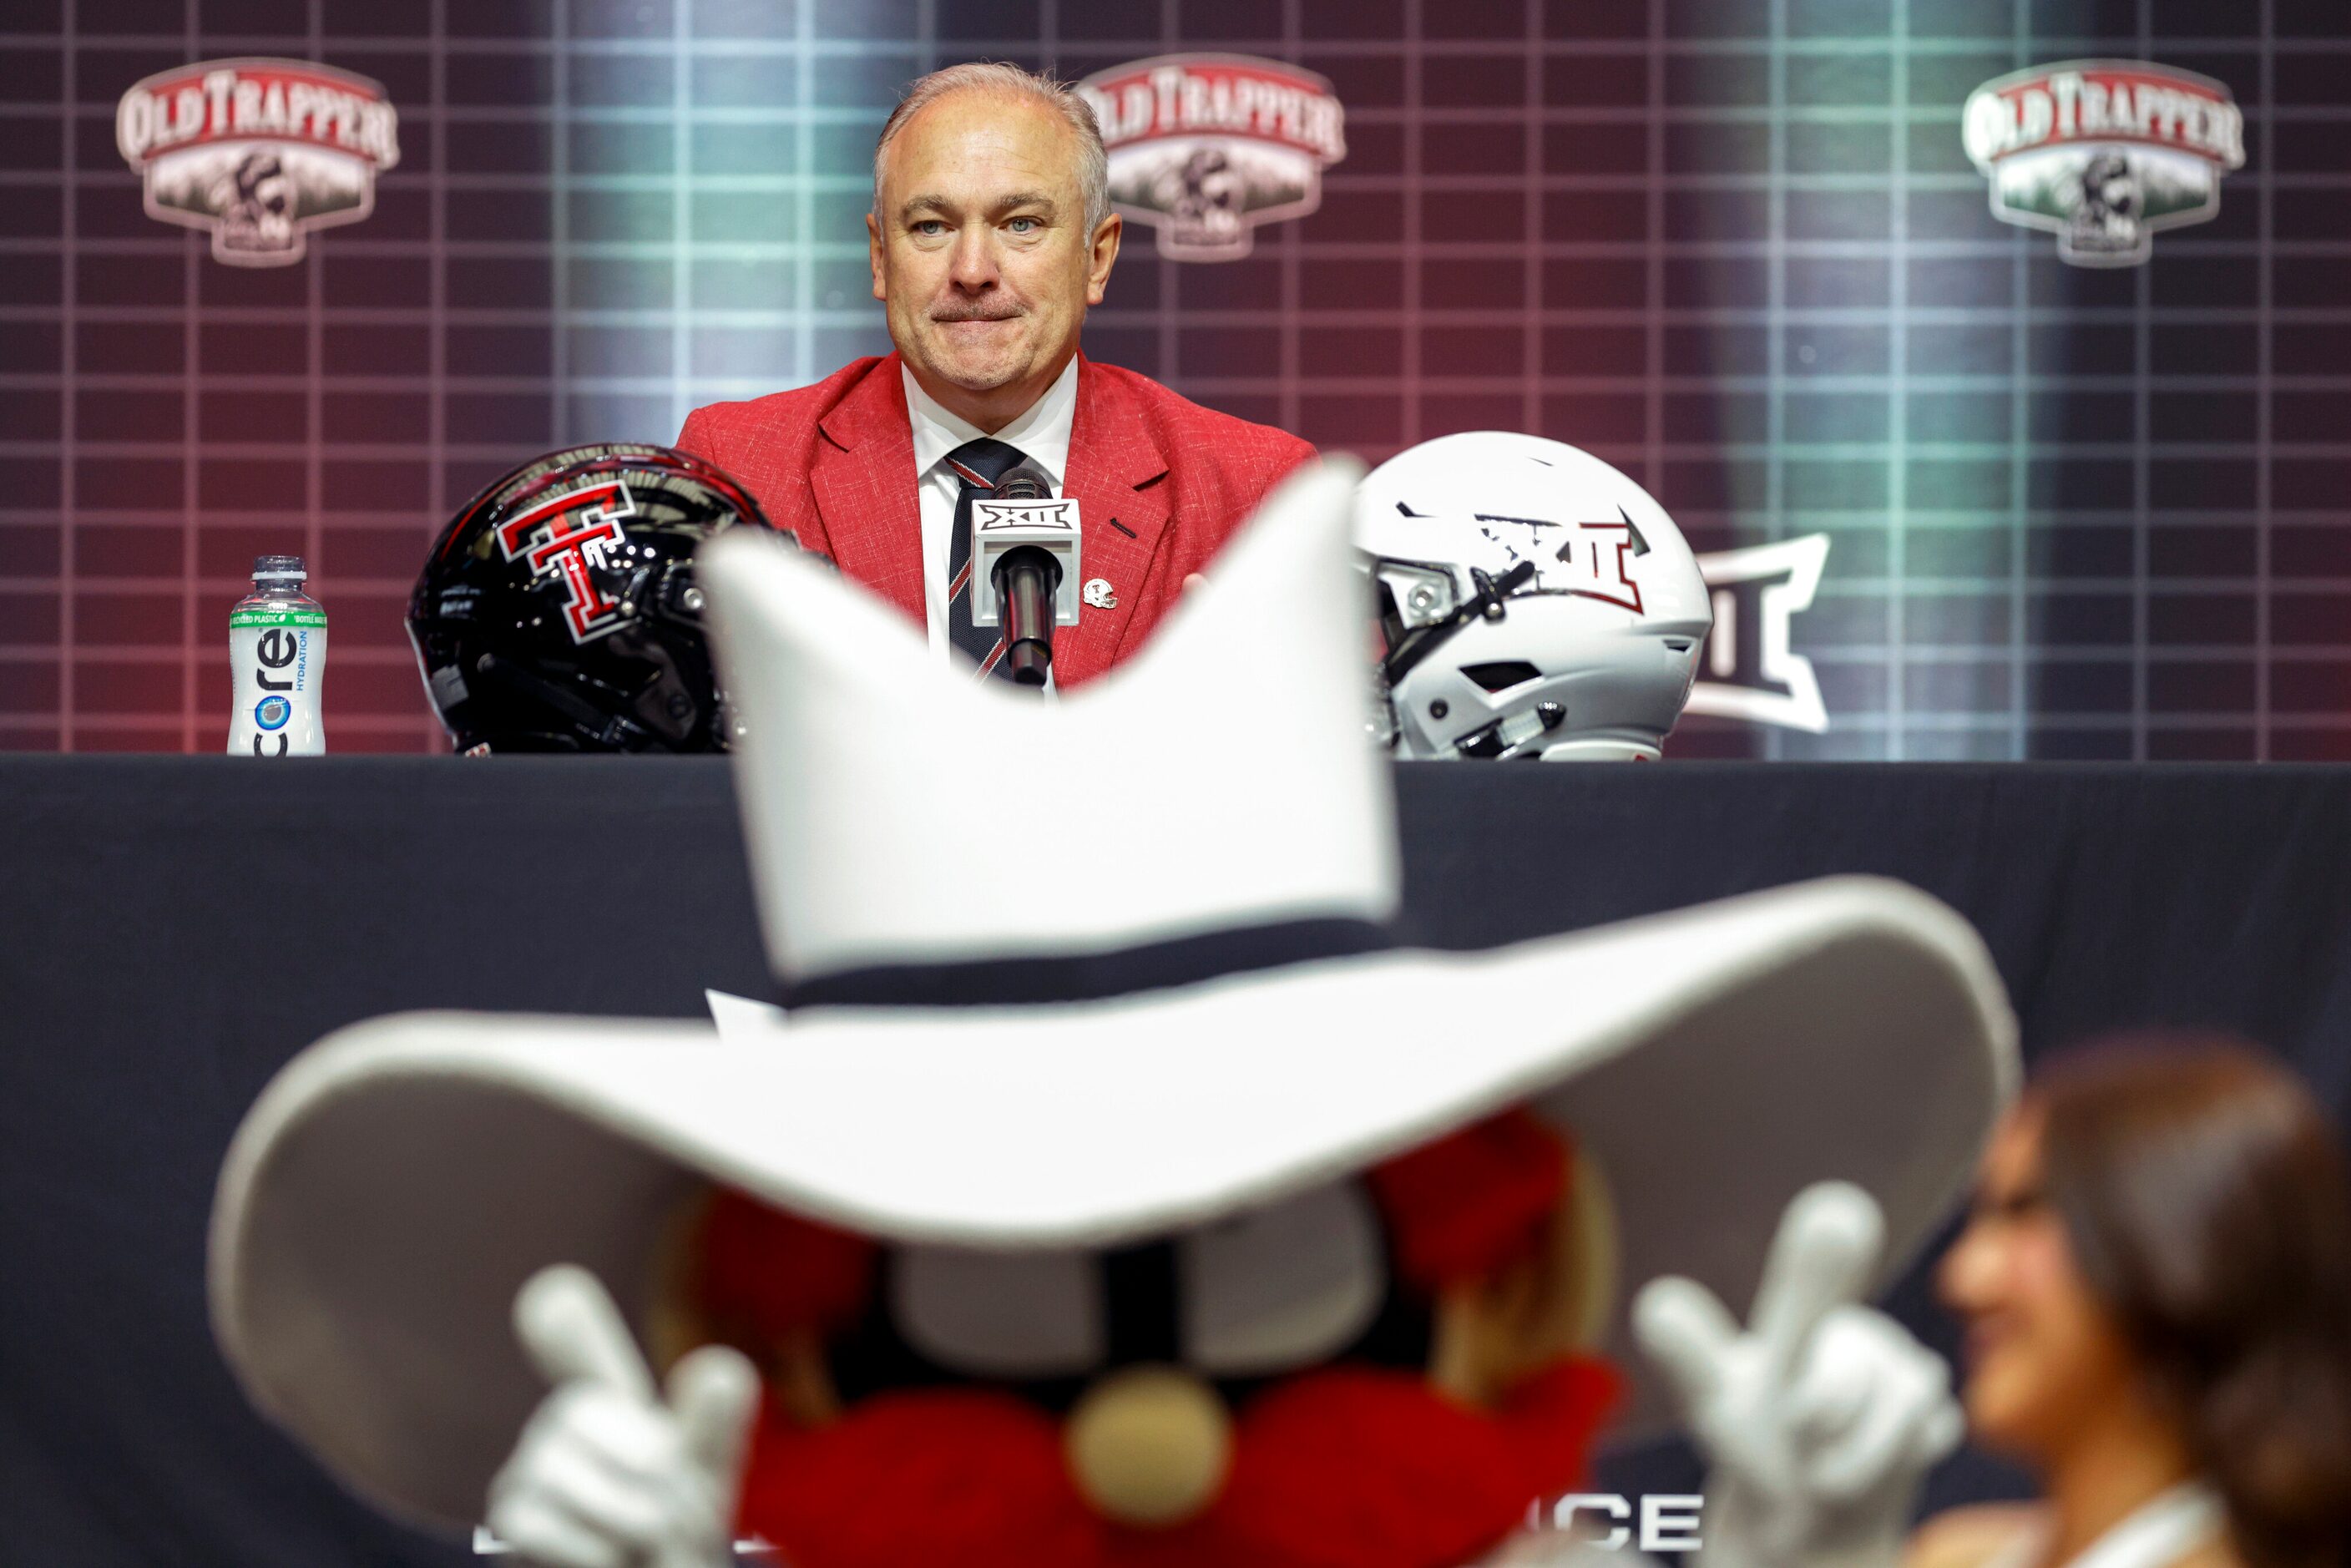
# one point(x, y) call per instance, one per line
point(1818, 1423)
point(607, 1475)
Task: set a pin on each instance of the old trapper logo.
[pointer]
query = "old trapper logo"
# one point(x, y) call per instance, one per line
point(258, 151)
point(2104, 153)
point(1205, 147)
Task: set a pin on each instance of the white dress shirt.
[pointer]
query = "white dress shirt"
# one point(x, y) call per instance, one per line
point(1042, 435)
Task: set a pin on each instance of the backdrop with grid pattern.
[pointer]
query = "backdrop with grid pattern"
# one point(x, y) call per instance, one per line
point(1731, 246)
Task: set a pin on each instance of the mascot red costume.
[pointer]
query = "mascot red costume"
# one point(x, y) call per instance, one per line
point(1111, 1188)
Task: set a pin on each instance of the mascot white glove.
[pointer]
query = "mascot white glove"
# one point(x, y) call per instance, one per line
point(1819, 1422)
point(608, 1473)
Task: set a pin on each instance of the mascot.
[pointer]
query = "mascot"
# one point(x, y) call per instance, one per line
point(1111, 1188)
point(255, 199)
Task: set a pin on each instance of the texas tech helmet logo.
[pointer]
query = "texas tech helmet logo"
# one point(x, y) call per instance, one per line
point(2104, 153)
point(569, 537)
point(1204, 148)
point(259, 152)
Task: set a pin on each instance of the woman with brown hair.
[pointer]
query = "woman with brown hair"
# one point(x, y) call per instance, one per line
point(2156, 1283)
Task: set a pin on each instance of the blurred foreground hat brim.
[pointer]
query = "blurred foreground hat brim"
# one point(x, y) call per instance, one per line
point(398, 1182)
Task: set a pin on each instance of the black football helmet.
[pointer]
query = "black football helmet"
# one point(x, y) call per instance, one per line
point(557, 611)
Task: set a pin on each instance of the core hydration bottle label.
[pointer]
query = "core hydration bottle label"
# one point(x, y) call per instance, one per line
point(277, 655)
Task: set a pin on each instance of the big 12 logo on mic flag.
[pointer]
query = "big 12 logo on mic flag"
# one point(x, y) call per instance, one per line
point(1204, 148)
point(2104, 153)
point(259, 152)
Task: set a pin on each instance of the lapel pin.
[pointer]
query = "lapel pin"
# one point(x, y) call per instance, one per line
point(1097, 592)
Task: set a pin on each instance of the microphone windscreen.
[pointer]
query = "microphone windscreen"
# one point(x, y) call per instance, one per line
point(1023, 482)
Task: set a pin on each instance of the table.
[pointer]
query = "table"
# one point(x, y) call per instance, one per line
point(173, 929)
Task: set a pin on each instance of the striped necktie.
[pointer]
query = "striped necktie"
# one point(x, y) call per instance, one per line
point(977, 466)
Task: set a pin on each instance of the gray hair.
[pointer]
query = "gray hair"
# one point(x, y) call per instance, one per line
point(1008, 81)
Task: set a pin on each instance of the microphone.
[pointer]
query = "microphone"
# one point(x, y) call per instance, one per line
point(1025, 576)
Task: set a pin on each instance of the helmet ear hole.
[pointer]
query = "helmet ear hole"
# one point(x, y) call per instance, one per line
point(1501, 674)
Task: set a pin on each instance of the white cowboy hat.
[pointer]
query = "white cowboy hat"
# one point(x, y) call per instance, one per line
point(917, 837)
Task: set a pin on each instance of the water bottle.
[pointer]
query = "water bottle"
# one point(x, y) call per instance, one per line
point(277, 657)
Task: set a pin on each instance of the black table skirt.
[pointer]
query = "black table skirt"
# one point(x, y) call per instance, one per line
point(172, 930)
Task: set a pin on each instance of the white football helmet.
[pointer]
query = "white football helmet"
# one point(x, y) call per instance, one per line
point(1534, 602)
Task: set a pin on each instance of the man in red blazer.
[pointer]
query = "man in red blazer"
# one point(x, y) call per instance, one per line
point(991, 233)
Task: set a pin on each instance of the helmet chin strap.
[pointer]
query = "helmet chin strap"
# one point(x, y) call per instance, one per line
point(1511, 737)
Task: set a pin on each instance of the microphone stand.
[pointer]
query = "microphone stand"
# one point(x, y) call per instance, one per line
point(1026, 580)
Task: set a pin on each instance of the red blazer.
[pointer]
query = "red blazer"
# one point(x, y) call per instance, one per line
point(1160, 484)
